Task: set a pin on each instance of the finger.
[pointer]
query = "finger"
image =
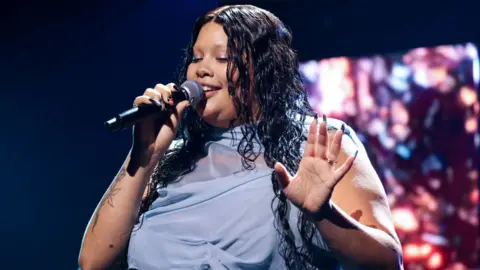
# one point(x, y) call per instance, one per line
point(143, 100)
point(346, 166)
point(282, 174)
point(322, 144)
point(166, 93)
point(154, 94)
point(155, 97)
point(336, 144)
point(180, 106)
point(172, 87)
point(311, 139)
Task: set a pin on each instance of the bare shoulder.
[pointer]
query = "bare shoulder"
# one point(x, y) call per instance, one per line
point(360, 193)
point(350, 141)
point(362, 165)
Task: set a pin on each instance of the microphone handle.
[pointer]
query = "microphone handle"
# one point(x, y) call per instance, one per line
point(128, 118)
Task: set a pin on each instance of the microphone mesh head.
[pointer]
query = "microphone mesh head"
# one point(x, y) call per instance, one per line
point(194, 91)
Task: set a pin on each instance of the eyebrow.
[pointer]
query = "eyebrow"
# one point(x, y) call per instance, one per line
point(216, 46)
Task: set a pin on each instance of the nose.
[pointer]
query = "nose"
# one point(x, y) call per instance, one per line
point(204, 72)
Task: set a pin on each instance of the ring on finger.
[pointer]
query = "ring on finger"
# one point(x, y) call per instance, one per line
point(331, 162)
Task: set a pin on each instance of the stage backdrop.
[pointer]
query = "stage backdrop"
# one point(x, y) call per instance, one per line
point(417, 114)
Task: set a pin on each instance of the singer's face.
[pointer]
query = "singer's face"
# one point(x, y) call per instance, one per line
point(209, 68)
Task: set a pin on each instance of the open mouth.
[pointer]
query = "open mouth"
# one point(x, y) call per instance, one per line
point(209, 88)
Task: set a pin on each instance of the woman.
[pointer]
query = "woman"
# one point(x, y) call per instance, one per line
point(222, 194)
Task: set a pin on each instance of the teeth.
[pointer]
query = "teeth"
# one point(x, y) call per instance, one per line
point(207, 88)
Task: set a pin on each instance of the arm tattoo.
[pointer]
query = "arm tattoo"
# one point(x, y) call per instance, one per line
point(109, 196)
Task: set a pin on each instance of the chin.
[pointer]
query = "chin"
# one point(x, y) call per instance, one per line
point(215, 114)
point(210, 116)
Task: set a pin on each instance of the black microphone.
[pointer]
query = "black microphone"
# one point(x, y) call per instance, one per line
point(189, 90)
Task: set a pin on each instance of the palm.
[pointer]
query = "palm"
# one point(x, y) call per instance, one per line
point(316, 177)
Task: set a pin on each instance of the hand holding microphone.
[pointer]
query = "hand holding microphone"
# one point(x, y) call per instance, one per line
point(156, 115)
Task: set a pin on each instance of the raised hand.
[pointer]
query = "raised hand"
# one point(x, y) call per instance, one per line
point(312, 186)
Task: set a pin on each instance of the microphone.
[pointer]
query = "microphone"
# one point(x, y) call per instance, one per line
point(189, 90)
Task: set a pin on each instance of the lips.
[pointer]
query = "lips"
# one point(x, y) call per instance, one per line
point(208, 88)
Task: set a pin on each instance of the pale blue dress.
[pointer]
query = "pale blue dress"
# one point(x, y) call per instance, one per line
point(217, 217)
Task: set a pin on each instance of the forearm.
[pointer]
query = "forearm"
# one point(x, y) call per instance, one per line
point(357, 246)
point(111, 224)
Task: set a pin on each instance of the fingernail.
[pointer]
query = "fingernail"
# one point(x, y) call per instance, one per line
point(343, 127)
point(170, 101)
point(324, 118)
point(356, 153)
point(155, 101)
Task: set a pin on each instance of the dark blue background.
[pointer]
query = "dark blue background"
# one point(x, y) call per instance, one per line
point(64, 70)
point(67, 67)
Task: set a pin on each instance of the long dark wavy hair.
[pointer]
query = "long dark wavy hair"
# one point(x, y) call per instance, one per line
point(258, 39)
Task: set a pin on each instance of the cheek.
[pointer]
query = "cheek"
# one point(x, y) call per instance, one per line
point(235, 77)
point(226, 104)
point(190, 73)
point(221, 73)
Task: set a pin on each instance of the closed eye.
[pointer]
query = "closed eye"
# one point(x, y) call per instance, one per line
point(222, 59)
